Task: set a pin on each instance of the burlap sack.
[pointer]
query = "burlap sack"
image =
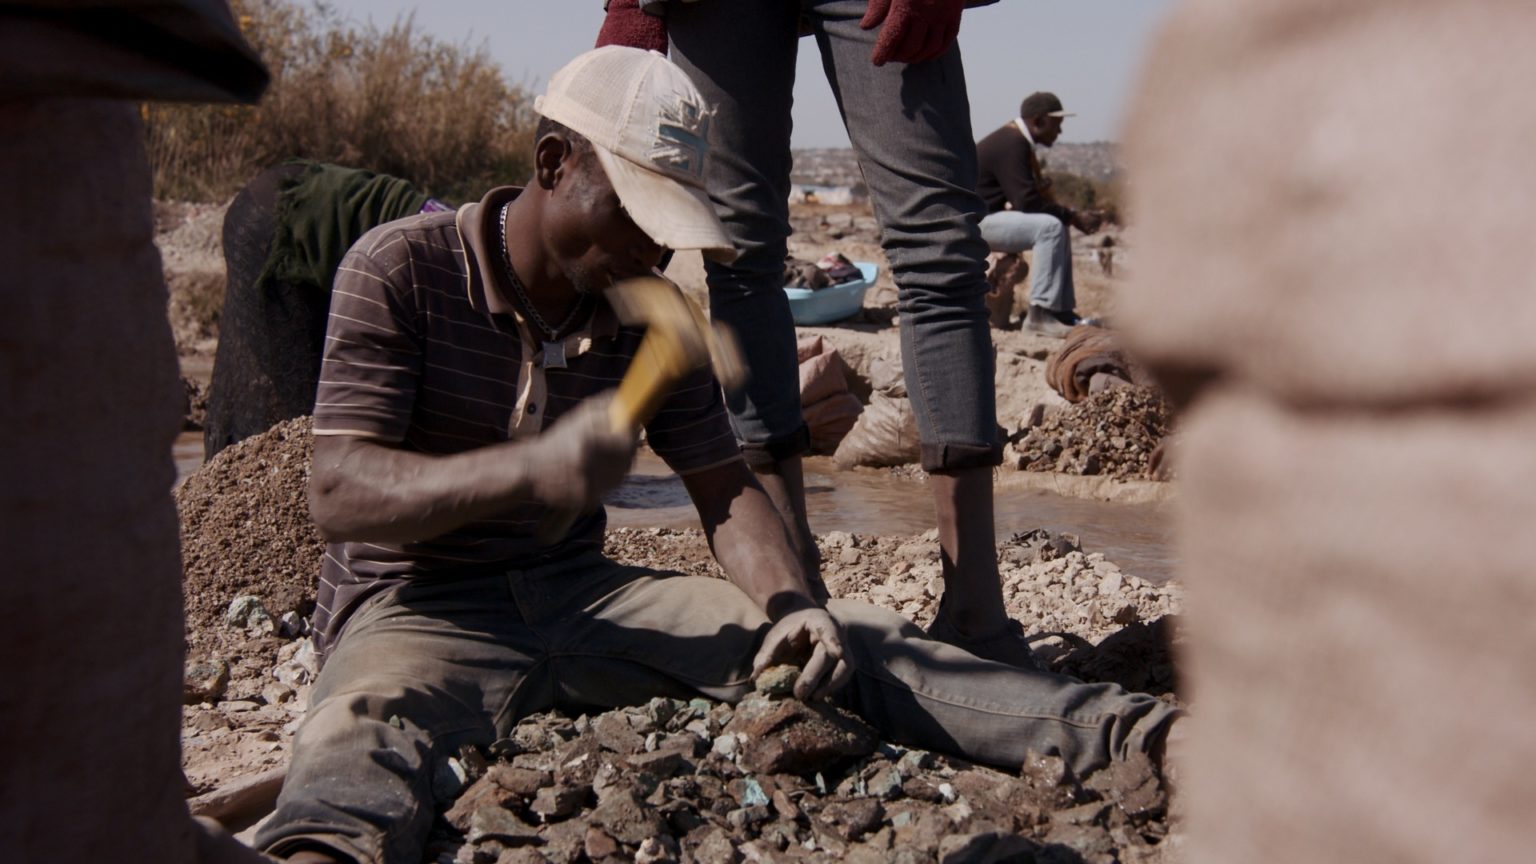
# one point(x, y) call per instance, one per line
point(828, 407)
point(822, 377)
point(1007, 273)
point(1086, 352)
point(885, 435)
point(830, 421)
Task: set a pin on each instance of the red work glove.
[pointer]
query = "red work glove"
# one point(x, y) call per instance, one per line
point(913, 30)
point(627, 25)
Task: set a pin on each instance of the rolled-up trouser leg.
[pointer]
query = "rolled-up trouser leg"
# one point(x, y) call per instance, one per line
point(91, 602)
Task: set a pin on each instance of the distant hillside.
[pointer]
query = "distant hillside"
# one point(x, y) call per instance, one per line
point(1096, 160)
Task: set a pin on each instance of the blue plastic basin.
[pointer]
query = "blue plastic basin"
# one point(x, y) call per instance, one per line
point(833, 303)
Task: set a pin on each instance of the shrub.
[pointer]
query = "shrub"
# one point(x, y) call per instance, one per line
point(392, 100)
point(1083, 193)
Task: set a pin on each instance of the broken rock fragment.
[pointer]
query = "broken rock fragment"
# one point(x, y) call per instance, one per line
point(792, 737)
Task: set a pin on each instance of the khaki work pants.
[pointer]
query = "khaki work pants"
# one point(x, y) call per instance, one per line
point(431, 666)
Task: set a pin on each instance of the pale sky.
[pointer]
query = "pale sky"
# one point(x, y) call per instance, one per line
point(1086, 51)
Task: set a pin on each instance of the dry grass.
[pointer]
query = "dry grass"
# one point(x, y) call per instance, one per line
point(391, 100)
point(1084, 193)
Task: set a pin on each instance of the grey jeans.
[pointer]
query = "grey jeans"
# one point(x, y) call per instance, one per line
point(911, 128)
point(429, 667)
point(1051, 280)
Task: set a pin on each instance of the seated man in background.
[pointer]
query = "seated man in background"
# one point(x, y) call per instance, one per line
point(446, 613)
point(1023, 215)
point(284, 235)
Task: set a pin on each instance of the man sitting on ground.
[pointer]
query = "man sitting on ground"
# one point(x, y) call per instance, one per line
point(1023, 215)
point(446, 614)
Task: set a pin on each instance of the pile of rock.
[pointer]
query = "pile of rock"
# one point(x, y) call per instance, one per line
point(1116, 433)
point(246, 533)
point(774, 779)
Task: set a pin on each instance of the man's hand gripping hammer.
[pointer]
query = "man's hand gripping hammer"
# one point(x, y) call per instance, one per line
point(678, 339)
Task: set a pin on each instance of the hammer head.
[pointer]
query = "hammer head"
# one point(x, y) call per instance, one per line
point(658, 304)
point(678, 338)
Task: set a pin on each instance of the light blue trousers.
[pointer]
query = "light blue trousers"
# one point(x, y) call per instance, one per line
point(1051, 270)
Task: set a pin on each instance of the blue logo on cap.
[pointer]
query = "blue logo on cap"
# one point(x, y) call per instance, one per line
point(682, 136)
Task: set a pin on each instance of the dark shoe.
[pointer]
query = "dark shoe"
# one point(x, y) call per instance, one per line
point(1007, 645)
point(1047, 323)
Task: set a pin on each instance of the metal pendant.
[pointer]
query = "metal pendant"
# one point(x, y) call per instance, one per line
point(554, 355)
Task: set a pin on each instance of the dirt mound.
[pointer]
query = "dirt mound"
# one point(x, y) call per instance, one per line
point(189, 237)
point(250, 555)
point(1115, 433)
point(246, 531)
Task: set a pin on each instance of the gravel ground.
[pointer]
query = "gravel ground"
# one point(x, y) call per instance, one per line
point(681, 770)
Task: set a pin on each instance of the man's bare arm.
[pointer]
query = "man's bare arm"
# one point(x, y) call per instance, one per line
point(749, 541)
point(364, 490)
point(748, 538)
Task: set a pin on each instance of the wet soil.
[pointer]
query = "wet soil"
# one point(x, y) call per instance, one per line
point(1133, 535)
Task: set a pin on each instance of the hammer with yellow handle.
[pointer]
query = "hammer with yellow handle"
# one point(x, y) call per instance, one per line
point(678, 339)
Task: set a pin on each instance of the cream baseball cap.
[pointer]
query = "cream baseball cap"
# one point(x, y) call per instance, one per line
point(650, 129)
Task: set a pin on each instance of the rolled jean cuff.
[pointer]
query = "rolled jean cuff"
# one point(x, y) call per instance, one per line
point(946, 458)
point(762, 455)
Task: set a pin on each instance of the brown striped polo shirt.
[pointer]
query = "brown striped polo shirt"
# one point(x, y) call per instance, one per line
point(425, 352)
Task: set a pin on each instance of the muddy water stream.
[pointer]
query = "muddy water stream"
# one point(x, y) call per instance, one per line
point(1135, 536)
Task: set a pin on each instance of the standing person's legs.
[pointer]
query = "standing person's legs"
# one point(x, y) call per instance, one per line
point(741, 55)
point(418, 673)
point(1051, 282)
point(911, 127)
